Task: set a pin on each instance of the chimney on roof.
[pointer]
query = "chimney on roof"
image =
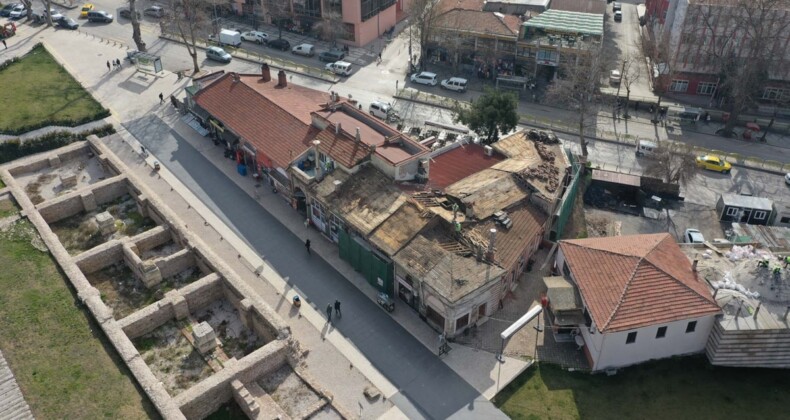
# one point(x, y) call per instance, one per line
point(282, 81)
point(266, 74)
point(491, 244)
point(694, 265)
point(358, 137)
point(338, 127)
point(235, 77)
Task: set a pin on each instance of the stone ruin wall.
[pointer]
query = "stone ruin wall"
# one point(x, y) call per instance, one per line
point(206, 396)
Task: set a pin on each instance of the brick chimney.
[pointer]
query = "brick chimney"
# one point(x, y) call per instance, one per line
point(491, 245)
point(282, 81)
point(266, 75)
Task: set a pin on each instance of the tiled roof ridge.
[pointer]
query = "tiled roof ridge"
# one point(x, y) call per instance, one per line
point(622, 294)
point(684, 284)
point(462, 10)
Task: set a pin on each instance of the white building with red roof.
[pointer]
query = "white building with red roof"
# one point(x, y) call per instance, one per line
point(639, 299)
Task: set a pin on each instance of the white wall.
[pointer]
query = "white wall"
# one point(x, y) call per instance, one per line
point(611, 351)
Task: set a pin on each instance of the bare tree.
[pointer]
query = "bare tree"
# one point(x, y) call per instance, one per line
point(136, 34)
point(424, 14)
point(28, 7)
point(744, 41)
point(673, 163)
point(190, 19)
point(662, 67)
point(279, 10)
point(47, 10)
point(331, 27)
point(631, 73)
point(578, 88)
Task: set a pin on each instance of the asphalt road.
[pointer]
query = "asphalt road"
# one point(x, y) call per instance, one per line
point(427, 387)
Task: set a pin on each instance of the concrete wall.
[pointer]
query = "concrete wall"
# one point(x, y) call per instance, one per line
point(69, 204)
point(202, 292)
point(147, 319)
point(611, 351)
point(748, 347)
point(209, 394)
point(40, 161)
point(105, 193)
point(152, 238)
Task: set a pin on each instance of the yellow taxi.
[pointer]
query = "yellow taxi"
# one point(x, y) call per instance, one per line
point(714, 163)
point(87, 7)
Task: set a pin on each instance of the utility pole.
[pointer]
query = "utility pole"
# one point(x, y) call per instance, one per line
point(622, 76)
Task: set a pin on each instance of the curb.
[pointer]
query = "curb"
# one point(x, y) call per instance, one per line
point(610, 141)
point(249, 60)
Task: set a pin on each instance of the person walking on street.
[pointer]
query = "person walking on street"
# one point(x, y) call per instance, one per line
point(337, 308)
point(329, 313)
point(307, 245)
point(108, 65)
point(4, 44)
point(161, 98)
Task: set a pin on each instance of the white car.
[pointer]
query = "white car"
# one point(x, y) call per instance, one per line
point(255, 36)
point(18, 11)
point(425, 78)
point(456, 84)
point(787, 178)
point(693, 236)
point(379, 109)
point(307, 50)
point(615, 77)
point(155, 11)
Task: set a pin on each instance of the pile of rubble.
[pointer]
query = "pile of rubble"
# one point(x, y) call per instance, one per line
point(545, 172)
point(543, 137)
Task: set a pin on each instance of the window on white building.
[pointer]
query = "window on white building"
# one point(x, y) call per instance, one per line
point(661, 332)
point(679, 86)
point(760, 215)
point(630, 338)
point(732, 211)
point(784, 220)
point(691, 327)
point(773, 94)
point(706, 88)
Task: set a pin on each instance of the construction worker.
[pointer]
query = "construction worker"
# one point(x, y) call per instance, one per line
point(787, 261)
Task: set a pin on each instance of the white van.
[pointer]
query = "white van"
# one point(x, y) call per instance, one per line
point(229, 37)
point(339, 67)
point(456, 84)
point(379, 109)
point(306, 50)
point(645, 148)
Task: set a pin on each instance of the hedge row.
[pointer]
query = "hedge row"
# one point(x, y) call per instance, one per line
point(104, 113)
point(15, 149)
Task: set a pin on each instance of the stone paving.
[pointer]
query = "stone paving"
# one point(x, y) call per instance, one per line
point(527, 342)
point(12, 403)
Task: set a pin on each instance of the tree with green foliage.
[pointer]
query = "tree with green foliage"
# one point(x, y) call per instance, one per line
point(489, 115)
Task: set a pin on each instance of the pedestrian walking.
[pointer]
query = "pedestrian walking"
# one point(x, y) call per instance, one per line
point(707, 118)
point(337, 304)
point(108, 65)
point(307, 245)
point(161, 98)
point(329, 312)
point(4, 44)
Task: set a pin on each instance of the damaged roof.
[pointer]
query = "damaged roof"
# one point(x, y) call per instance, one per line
point(510, 243)
point(488, 191)
point(400, 228)
point(432, 256)
point(364, 200)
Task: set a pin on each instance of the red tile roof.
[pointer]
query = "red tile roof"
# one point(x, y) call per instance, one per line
point(275, 120)
point(342, 147)
point(634, 281)
point(455, 165)
point(476, 21)
point(446, 5)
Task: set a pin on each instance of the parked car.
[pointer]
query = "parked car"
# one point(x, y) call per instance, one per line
point(307, 50)
point(18, 11)
point(155, 11)
point(39, 17)
point(332, 55)
point(99, 16)
point(87, 7)
point(693, 236)
point(618, 16)
point(379, 109)
point(456, 84)
point(425, 78)
point(339, 67)
point(787, 178)
point(617, 6)
point(67, 23)
point(6, 10)
point(218, 54)
point(127, 14)
point(255, 36)
point(714, 163)
point(645, 148)
point(615, 77)
point(280, 44)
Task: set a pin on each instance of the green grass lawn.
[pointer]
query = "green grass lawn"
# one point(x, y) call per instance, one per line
point(683, 388)
point(64, 365)
point(43, 93)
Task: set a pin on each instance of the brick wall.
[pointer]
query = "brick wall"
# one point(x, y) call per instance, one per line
point(99, 257)
point(175, 263)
